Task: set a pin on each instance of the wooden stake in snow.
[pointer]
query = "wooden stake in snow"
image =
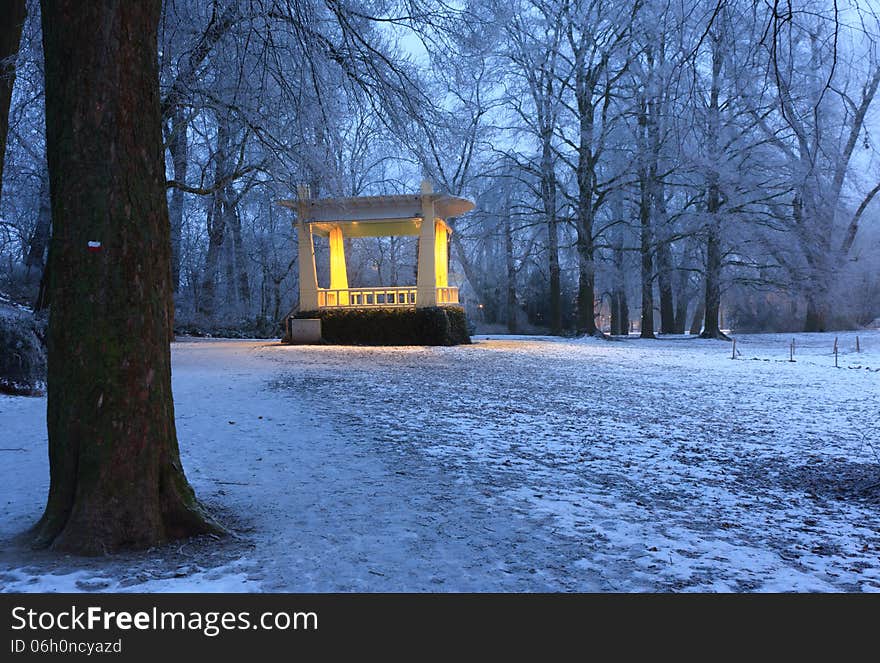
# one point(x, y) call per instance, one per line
point(733, 354)
point(791, 351)
point(835, 353)
point(858, 349)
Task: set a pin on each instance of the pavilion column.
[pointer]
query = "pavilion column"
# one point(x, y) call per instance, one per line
point(308, 274)
point(426, 282)
point(338, 272)
point(441, 254)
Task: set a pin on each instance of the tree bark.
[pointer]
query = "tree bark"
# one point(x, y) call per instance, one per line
point(658, 212)
point(555, 277)
point(665, 288)
point(11, 22)
point(647, 264)
point(230, 304)
point(623, 312)
point(586, 172)
point(116, 477)
point(711, 326)
point(821, 275)
point(216, 225)
point(548, 196)
point(39, 243)
point(619, 303)
point(683, 296)
point(619, 313)
point(242, 281)
point(219, 221)
point(38, 249)
point(586, 311)
point(647, 274)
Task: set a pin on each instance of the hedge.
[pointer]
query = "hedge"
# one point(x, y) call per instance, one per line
point(22, 353)
point(436, 325)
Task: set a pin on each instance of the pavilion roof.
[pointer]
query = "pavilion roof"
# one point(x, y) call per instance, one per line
point(379, 208)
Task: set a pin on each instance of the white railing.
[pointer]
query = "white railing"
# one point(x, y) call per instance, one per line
point(447, 296)
point(399, 297)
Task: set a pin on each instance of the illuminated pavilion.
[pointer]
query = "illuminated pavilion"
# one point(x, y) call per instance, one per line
point(375, 216)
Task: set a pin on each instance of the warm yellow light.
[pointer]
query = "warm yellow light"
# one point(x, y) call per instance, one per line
point(338, 272)
point(441, 255)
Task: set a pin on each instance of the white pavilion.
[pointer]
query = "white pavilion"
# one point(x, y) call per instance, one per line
point(423, 215)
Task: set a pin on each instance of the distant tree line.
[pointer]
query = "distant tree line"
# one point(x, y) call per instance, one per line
point(637, 166)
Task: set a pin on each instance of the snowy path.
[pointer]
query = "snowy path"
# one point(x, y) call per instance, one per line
point(537, 464)
point(333, 509)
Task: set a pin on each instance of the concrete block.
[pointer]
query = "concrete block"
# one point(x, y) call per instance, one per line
point(305, 331)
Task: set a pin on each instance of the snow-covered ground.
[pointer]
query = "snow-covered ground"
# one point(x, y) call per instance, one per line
point(514, 464)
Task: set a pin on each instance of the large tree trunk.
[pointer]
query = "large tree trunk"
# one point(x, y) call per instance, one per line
point(548, 195)
point(38, 249)
point(619, 324)
point(619, 303)
point(711, 326)
point(116, 476)
point(38, 246)
point(555, 278)
point(216, 233)
point(683, 296)
point(586, 299)
point(236, 276)
point(242, 281)
point(623, 312)
point(647, 263)
point(12, 15)
point(665, 288)
point(819, 304)
point(218, 222)
point(658, 213)
point(646, 235)
point(230, 306)
point(647, 318)
point(276, 299)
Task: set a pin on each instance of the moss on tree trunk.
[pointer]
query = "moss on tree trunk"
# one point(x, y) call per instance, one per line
point(116, 477)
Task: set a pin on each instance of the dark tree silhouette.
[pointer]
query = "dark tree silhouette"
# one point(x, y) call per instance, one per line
point(116, 477)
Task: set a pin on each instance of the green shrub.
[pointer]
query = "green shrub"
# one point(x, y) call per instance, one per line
point(258, 327)
point(436, 325)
